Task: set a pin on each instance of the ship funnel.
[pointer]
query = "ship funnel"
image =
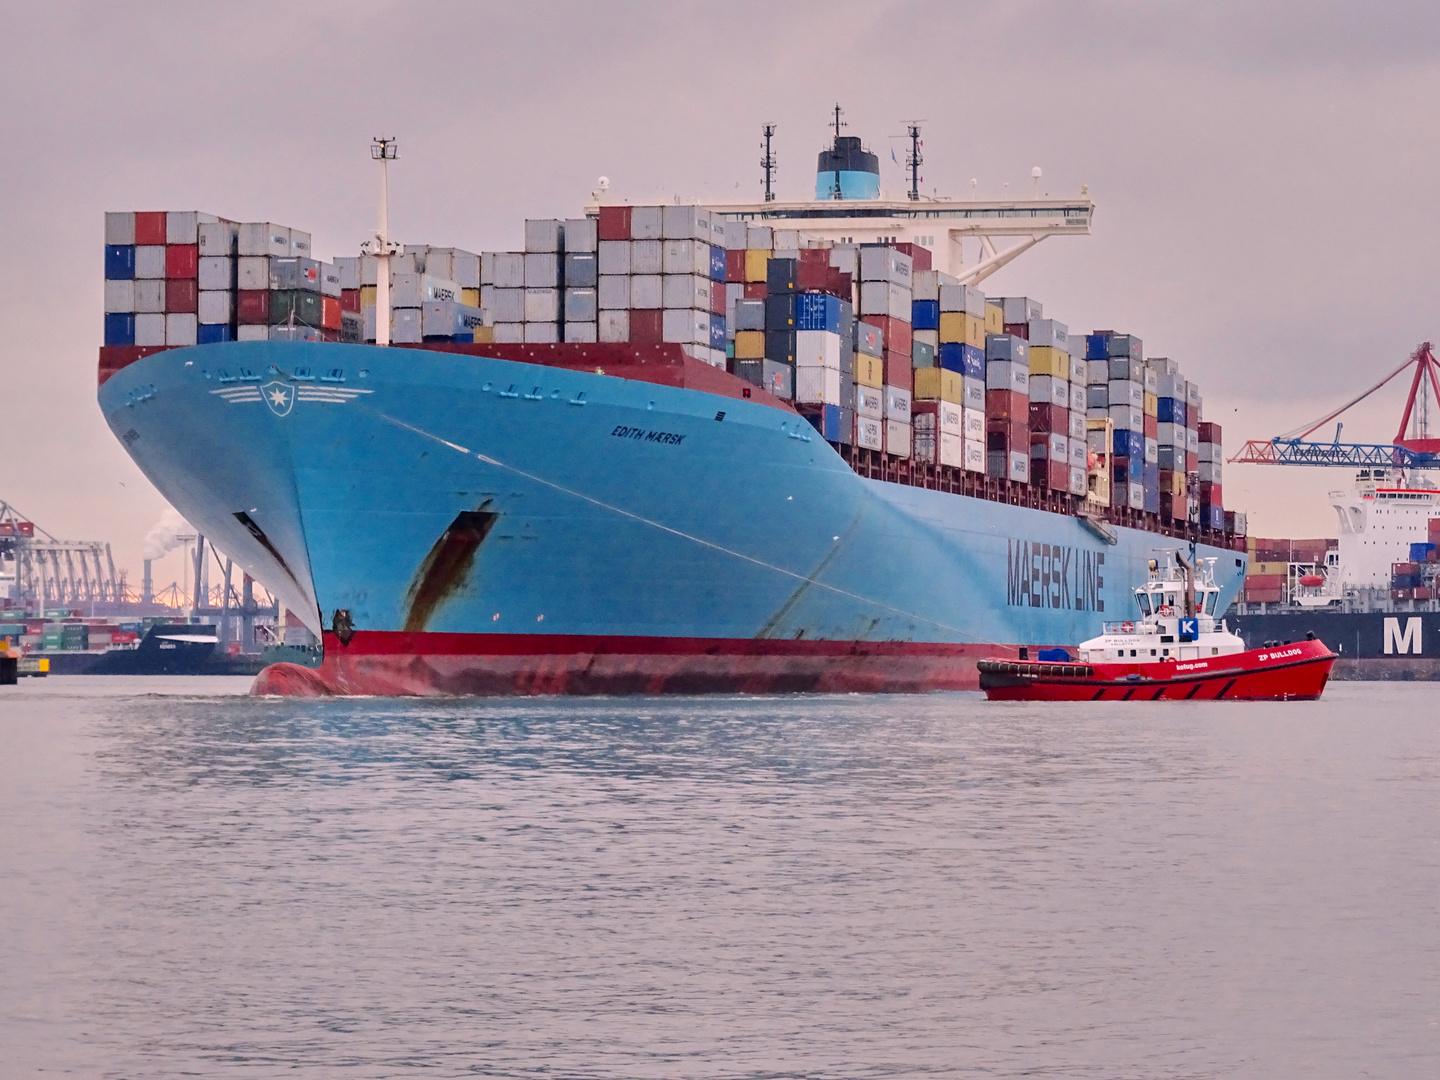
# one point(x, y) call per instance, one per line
point(847, 170)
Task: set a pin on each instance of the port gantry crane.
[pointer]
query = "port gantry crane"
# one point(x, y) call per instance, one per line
point(1416, 451)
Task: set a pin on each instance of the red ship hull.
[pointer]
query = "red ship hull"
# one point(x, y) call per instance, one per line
point(1294, 672)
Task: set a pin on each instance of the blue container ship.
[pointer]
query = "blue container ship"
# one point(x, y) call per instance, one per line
point(533, 490)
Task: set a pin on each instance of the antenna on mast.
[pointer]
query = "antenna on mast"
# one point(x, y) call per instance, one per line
point(835, 188)
point(384, 150)
point(913, 160)
point(768, 162)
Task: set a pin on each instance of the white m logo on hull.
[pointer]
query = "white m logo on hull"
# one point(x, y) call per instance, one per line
point(1407, 642)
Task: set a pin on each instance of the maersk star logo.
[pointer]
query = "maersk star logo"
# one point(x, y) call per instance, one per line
point(279, 396)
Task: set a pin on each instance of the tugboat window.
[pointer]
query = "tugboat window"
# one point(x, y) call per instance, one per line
point(1144, 602)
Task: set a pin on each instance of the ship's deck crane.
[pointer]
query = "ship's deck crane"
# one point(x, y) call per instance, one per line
point(1416, 451)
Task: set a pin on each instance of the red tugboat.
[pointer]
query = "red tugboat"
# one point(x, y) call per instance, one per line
point(1178, 651)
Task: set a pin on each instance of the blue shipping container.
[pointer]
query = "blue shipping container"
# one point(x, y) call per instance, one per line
point(717, 331)
point(214, 333)
point(1420, 552)
point(119, 262)
point(1171, 411)
point(952, 356)
point(717, 263)
point(1097, 347)
point(1130, 444)
point(974, 362)
point(1007, 347)
point(827, 421)
point(1217, 516)
point(817, 311)
point(119, 328)
point(925, 314)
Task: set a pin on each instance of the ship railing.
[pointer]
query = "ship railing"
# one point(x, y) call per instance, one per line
point(1126, 626)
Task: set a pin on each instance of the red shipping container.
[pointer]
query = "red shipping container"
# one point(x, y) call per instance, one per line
point(150, 227)
point(1018, 329)
point(754, 290)
point(1211, 493)
point(920, 258)
point(1055, 475)
point(1172, 507)
point(329, 335)
point(1395, 594)
point(252, 307)
point(115, 358)
point(350, 300)
point(717, 298)
point(182, 295)
point(1048, 417)
point(1152, 427)
point(646, 325)
point(1422, 592)
point(1433, 529)
point(735, 265)
point(899, 336)
point(814, 269)
point(1008, 405)
point(1192, 463)
point(899, 371)
point(838, 283)
point(614, 223)
point(182, 261)
point(1208, 432)
point(1002, 437)
point(1402, 568)
point(330, 312)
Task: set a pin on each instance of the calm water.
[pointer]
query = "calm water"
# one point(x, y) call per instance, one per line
point(196, 883)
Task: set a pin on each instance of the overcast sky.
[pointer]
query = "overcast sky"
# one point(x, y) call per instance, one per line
point(1264, 174)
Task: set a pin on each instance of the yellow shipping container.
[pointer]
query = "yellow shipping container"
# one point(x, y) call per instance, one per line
point(994, 319)
point(756, 268)
point(367, 296)
point(1152, 405)
point(1262, 569)
point(470, 296)
point(1046, 360)
point(952, 327)
point(975, 331)
point(749, 344)
point(870, 370)
point(939, 384)
point(484, 335)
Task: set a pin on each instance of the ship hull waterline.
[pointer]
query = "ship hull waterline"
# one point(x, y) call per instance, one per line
point(461, 524)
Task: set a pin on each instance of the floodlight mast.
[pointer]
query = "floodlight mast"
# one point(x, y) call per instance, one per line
point(384, 150)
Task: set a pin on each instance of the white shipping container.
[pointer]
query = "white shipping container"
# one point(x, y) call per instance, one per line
point(897, 439)
point(581, 234)
point(1135, 496)
point(735, 235)
point(262, 333)
point(263, 238)
point(973, 393)
point(415, 290)
point(1077, 396)
point(215, 307)
point(1079, 453)
point(1192, 441)
point(614, 257)
point(542, 270)
point(252, 272)
point(885, 264)
point(685, 291)
point(614, 325)
point(974, 456)
point(685, 257)
point(885, 298)
point(1127, 392)
point(869, 432)
point(542, 306)
point(1049, 333)
point(646, 223)
point(761, 237)
point(1097, 372)
point(646, 291)
point(952, 450)
point(330, 280)
point(870, 402)
point(437, 262)
point(150, 296)
point(817, 384)
point(1170, 435)
point(1079, 482)
point(542, 235)
point(119, 296)
point(583, 333)
point(183, 226)
point(300, 244)
point(580, 305)
point(964, 298)
point(406, 325)
point(685, 326)
point(685, 223)
point(926, 285)
point(972, 423)
point(897, 404)
point(216, 272)
point(217, 238)
point(646, 257)
point(509, 333)
point(1152, 452)
point(465, 269)
point(613, 294)
point(508, 268)
point(445, 318)
point(120, 227)
point(150, 261)
point(1020, 309)
point(814, 348)
point(1209, 451)
point(1077, 425)
point(180, 328)
point(1050, 390)
point(1211, 472)
point(1127, 417)
point(503, 305)
point(542, 333)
